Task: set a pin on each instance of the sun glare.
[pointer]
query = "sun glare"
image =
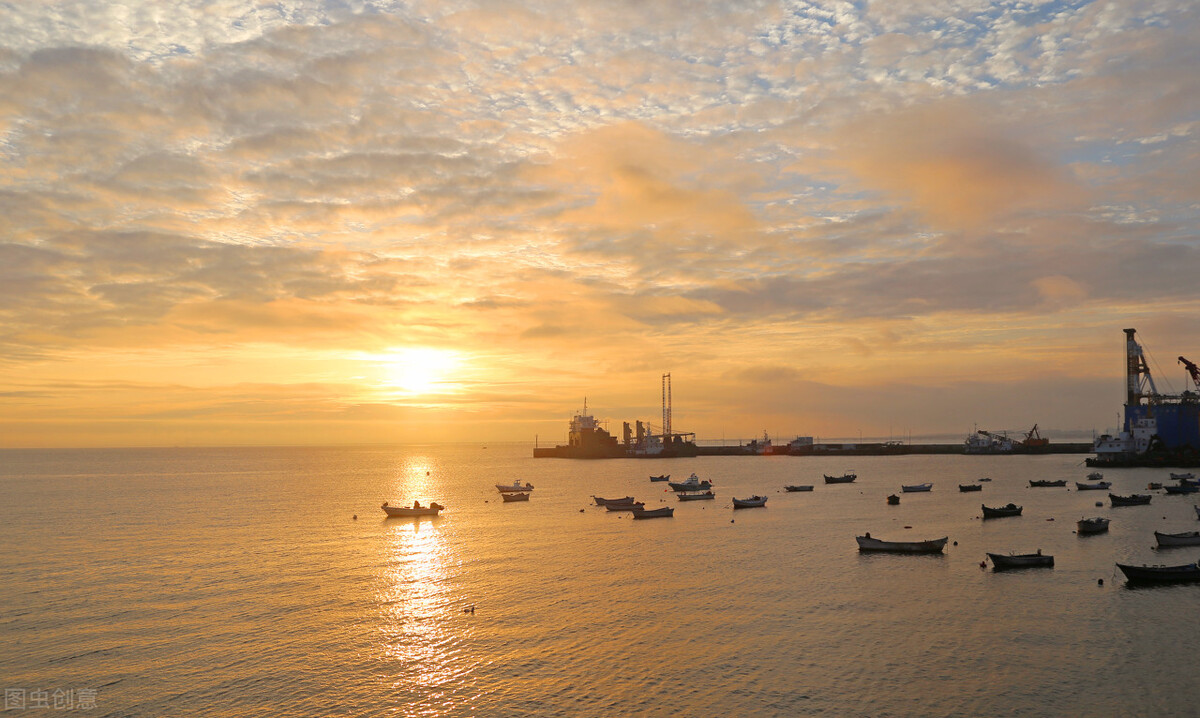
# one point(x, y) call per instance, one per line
point(421, 370)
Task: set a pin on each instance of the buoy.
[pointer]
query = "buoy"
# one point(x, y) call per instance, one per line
point(356, 517)
point(1099, 503)
point(955, 543)
point(580, 510)
point(1100, 582)
point(730, 520)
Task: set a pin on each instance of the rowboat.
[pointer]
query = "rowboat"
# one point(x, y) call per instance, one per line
point(696, 496)
point(1131, 500)
point(623, 500)
point(916, 487)
point(969, 487)
point(624, 507)
point(510, 496)
point(415, 510)
point(692, 483)
point(803, 487)
point(1001, 511)
point(866, 543)
point(1181, 489)
point(1047, 482)
point(514, 486)
point(1161, 574)
point(843, 479)
point(1183, 477)
point(1092, 526)
point(664, 512)
point(1187, 538)
point(749, 503)
point(664, 477)
point(1098, 486)
point(1001, 561)
point(1095, 476)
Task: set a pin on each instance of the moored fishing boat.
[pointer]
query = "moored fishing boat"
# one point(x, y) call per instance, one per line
point(514, 486)
point(913, 488)
point(696, 496)
point(1131, 500)
point(1161, 574)
point(866, 543)
point(1098, 486)
point(511, 496)
point(664, 512)
point(802, 487)
point(1095, 476)
point(624, 507)
point(664, 477)
point(751, 502)
point(1181, 489)
point(623, 500)
point(1187, 538)
point(997, 512)
point(1003, 561)
point(1094, 525)
point(1183, 477)
point(415, 510)
point(692, 483)
point(843, 479)
point(1047, 482)
point(969, 487)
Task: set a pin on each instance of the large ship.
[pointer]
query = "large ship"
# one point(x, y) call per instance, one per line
point(1160, 429)
point(586, 439)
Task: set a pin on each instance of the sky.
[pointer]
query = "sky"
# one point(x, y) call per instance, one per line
point(354, 221)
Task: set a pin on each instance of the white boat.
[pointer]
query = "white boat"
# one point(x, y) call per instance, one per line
point(1187, 538)
point(1184, 476)
point(1092, 526)
point(415, 510)
point(916, 487)
point(1098, 486)
point(692, 483)
point(696, 496)
point(866, 543)
point(749, 503)
point(1095, 476)
point(514, 486)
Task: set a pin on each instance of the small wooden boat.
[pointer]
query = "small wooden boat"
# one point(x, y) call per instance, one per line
point(664, 512)
point(1154, 486)
point(1095, 476)
point(893, 500)
point(623, 500)
point(802, 487)
point(1131, 500)
point(415, 510)
point(1001, 511)
point(750, 503)
point(664, 477)
point(624, 507)
point(1161, 574)
point(1187, 538)
point(1095, 525)
point(1183, 477)
point(1181, 489)
point(1034, 483)
point(843, 479)
point(514, 486)
point(510, 496)
point(1003, 562)
point(915, 488)
point(969, 487)
point(985, 479)
point(866, 543)
point(1098, 486)
point(692, 483)
point(696, 496)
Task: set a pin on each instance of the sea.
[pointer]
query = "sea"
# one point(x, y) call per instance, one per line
point(268, 582)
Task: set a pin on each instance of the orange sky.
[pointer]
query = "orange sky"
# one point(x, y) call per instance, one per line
point(224, 225)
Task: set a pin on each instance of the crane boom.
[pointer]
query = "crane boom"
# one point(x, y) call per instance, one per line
point(1192, 370)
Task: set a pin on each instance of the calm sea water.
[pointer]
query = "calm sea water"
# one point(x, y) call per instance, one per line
point(236, 582)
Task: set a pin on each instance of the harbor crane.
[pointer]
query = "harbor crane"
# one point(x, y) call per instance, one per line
point(1192, 370)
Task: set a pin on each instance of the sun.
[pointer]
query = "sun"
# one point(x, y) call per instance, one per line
point(421, 370)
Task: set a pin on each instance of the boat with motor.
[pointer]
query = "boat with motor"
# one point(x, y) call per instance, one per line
point(1035, 483)
point(913, 488)
point(866, 543)
point(514, 486)
point(1098, 486)
point(970, 487)
point(511, 496)
point(623, 500)
point(1096, 525)
point(1095, 476)
point(1181, 489)
point(1183, 477)
point(664, 512)
point(750, 503)
point(1131, 500)
point(802, 487)
point(1161, 574)
point(692, 483)
point(843, 479)
point(1003, 562)
point(696, 496)
point(1187, 538)
point(415, 510)
point(1001, 511)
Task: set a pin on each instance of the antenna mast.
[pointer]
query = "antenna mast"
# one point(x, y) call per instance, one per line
point(666, 406)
